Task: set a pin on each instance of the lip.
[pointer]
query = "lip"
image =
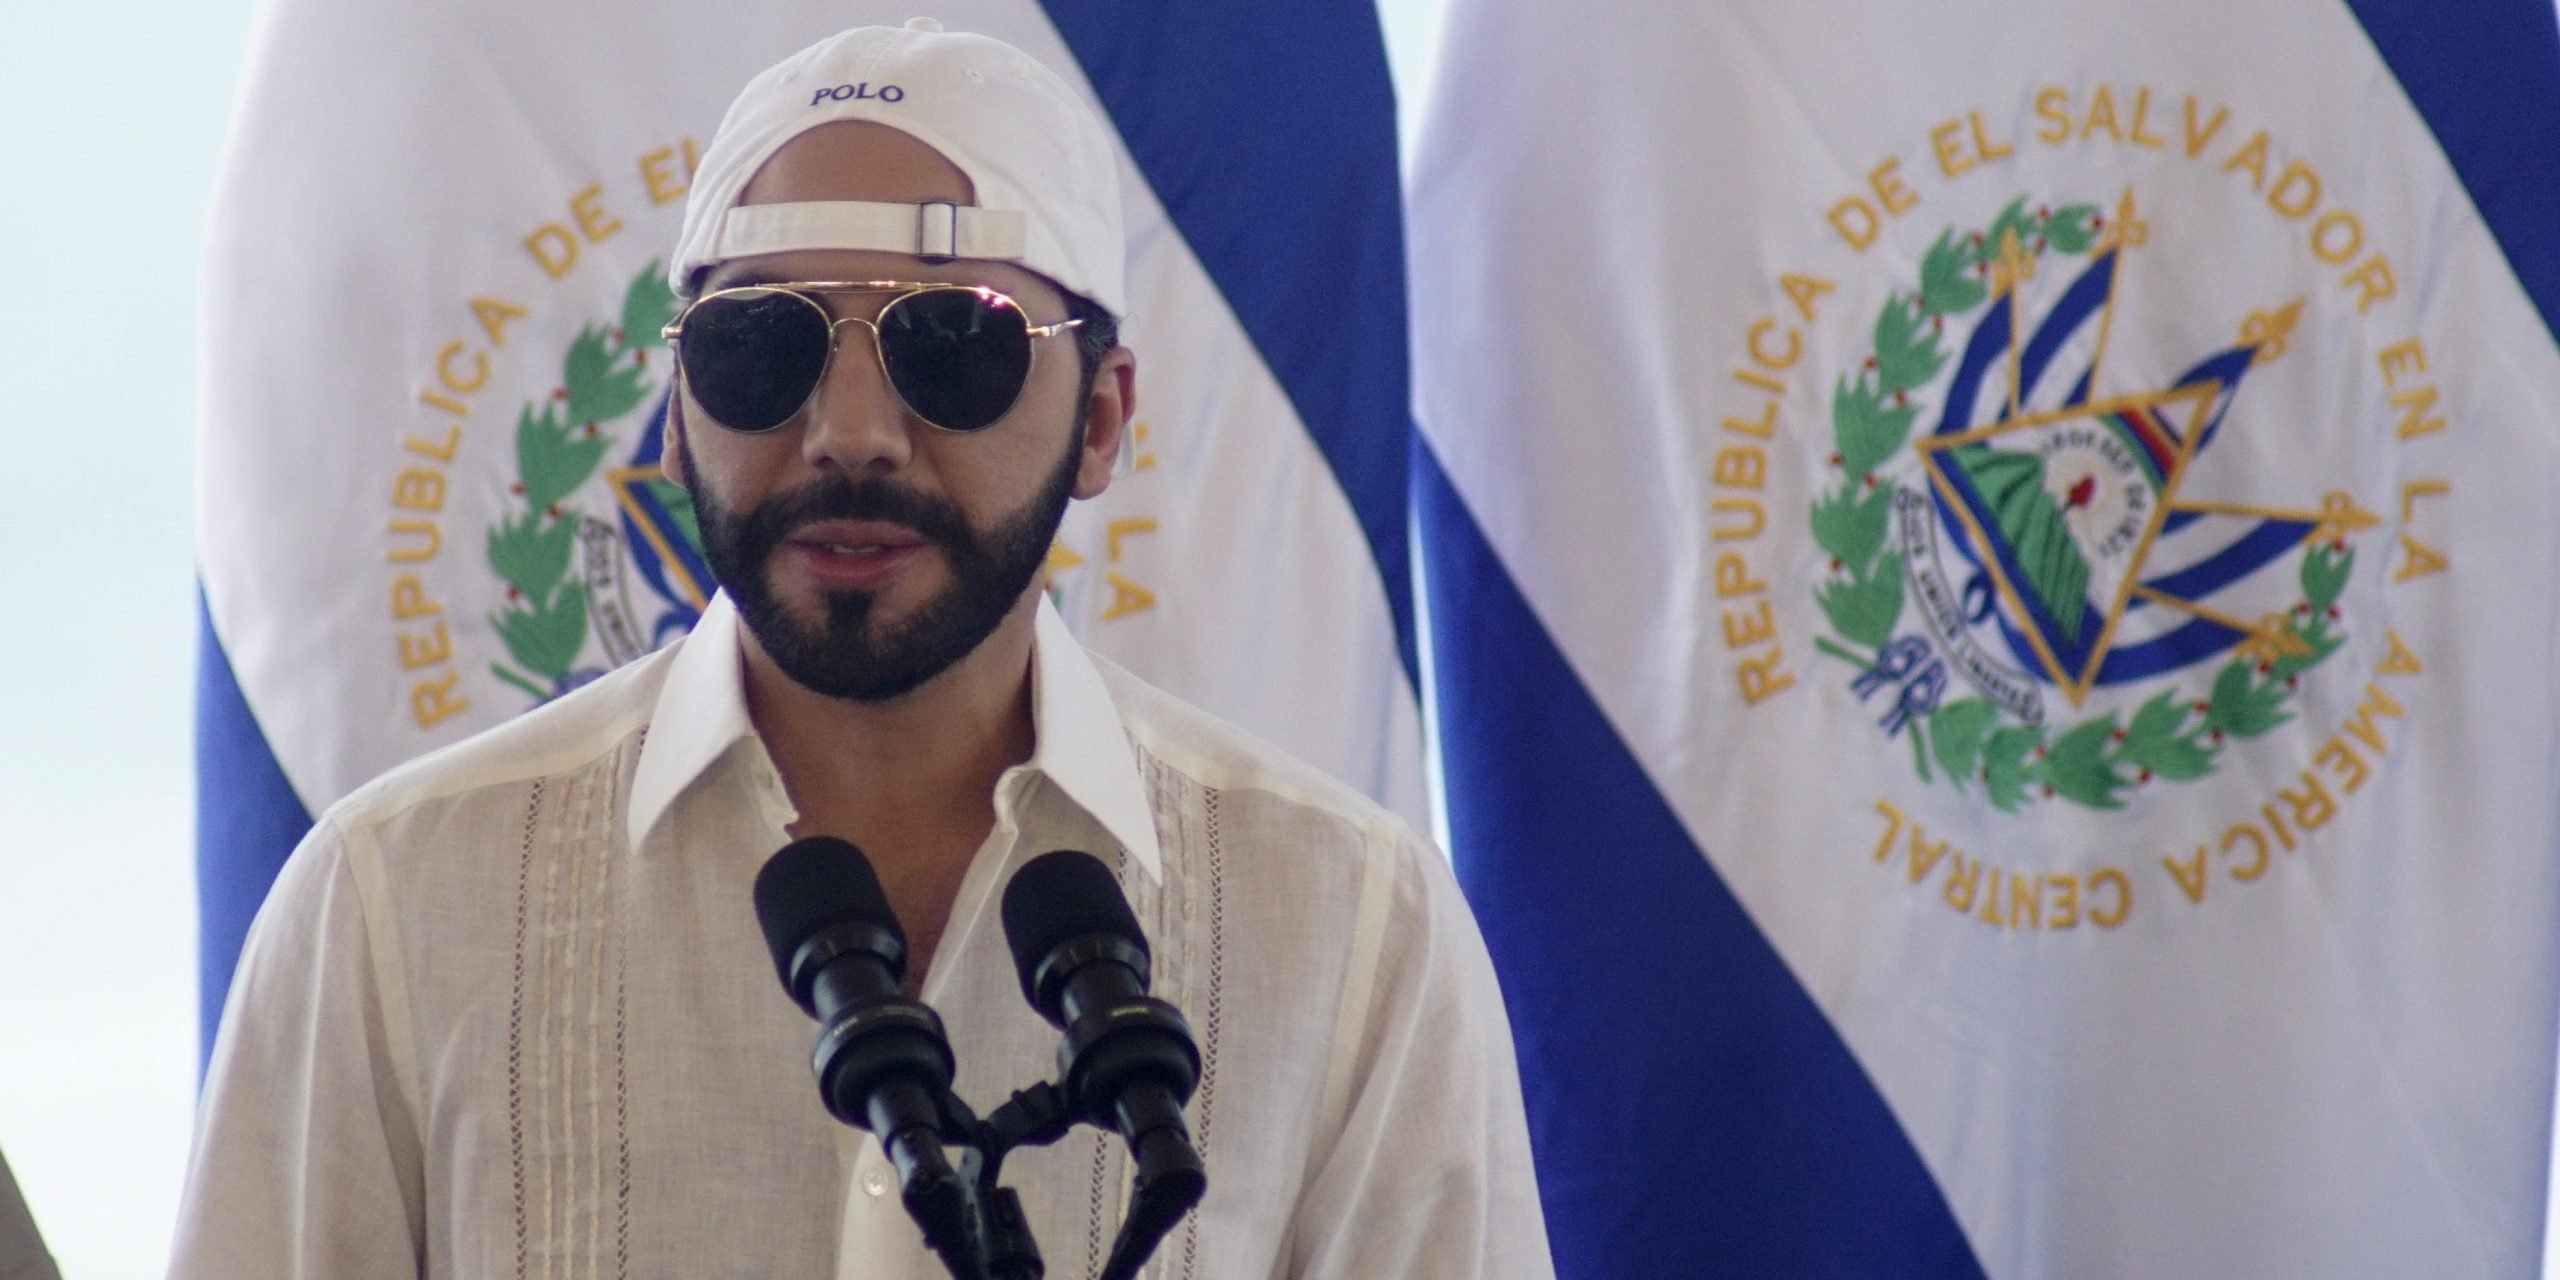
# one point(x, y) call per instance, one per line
point(853, 555)
point(857, 533)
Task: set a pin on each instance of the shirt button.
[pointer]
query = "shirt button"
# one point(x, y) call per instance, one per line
point(875, 1182)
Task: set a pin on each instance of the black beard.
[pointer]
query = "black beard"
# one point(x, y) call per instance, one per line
point(845, 656)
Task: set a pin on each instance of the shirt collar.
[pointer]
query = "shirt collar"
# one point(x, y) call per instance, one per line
point(701, 714)
point(1079, 743)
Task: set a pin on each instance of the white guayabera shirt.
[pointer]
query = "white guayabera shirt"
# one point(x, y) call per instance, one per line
point(508, 1013)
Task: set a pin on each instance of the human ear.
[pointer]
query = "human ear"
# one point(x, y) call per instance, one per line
point(1110, 402)
point(671, 454)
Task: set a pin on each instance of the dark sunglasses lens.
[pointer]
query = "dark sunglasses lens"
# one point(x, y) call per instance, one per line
point(751, 359)
point(956, 356)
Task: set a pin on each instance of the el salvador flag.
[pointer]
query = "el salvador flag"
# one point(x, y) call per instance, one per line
point(429, 486)
point(1992, 628)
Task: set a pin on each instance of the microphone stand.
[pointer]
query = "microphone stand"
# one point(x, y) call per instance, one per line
point(977, 1228)
point(1033, 1117)
point(1170, 1181)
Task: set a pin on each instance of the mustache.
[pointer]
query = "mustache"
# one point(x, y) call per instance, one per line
point(835, 497)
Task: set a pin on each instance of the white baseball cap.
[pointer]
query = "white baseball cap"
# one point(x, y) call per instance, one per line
point(1043, 167)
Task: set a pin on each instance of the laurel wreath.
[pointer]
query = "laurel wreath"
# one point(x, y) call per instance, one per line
point(560, 441)
point(2094, 761)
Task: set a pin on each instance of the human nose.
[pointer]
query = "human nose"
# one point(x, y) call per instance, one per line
point(856, 420)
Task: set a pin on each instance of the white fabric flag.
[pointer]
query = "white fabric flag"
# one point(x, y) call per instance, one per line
point(2051, 506)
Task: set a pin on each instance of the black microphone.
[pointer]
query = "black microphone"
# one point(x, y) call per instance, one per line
point(882, 1060)
point(1128, 1060)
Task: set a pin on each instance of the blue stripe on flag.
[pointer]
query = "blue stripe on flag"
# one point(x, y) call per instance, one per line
point(1307, 241)
point(1693, 1112)
point(2486, 77)
point(247, 820)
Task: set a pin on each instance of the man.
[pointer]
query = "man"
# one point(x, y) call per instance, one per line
point(507, 1012)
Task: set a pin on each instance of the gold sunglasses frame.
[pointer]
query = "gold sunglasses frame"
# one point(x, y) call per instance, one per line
point(804, 291)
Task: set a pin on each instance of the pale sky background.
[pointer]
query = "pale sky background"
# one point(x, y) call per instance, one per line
point(116, 115)
point(118, 118)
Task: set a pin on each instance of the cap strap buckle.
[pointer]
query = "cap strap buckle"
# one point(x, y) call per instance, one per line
point(937, 229)
point(931, 229)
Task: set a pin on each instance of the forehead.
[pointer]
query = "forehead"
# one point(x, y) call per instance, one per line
point(861, 160)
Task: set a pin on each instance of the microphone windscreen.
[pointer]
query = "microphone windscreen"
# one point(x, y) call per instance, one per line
point(814, 883)
point(1060, 896)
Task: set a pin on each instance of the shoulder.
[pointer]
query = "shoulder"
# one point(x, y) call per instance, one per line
point(411, 853)
point(588, 727)
point(1213, 754)
point(1284, 828)
point(419, 835)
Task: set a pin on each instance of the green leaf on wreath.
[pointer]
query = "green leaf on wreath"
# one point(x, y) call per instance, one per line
point(648, 307)
point(552, 457)
point(2007, 769)
point(531, 553)
point(2177, 759)
point(1850, 522)
point(2025, 517)
point(2013, 218)
point(1947, 286)
point(2243, 707)
point(2077, 767)
point(601, 388)
point(2072, 228)
point(2230, 686)
point(2152, 741)
point(1866, 429)
point(2324, 576)
point(2159, 718)
point(1906, 353)
point(2320, 644)
point(546, 639)
point(1865, 605)
point(1956, 731)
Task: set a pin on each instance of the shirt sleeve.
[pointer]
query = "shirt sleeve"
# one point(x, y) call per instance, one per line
point(1429, 1174)
point(307, 1161)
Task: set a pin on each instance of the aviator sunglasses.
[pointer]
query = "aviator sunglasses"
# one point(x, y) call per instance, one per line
point(957, 355)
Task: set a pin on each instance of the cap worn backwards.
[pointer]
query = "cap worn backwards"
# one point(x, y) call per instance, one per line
point(1044, 169)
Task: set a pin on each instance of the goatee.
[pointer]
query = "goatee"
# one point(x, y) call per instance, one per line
point(844, 654)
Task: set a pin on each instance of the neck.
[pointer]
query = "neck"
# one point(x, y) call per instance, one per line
point(911, 779)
